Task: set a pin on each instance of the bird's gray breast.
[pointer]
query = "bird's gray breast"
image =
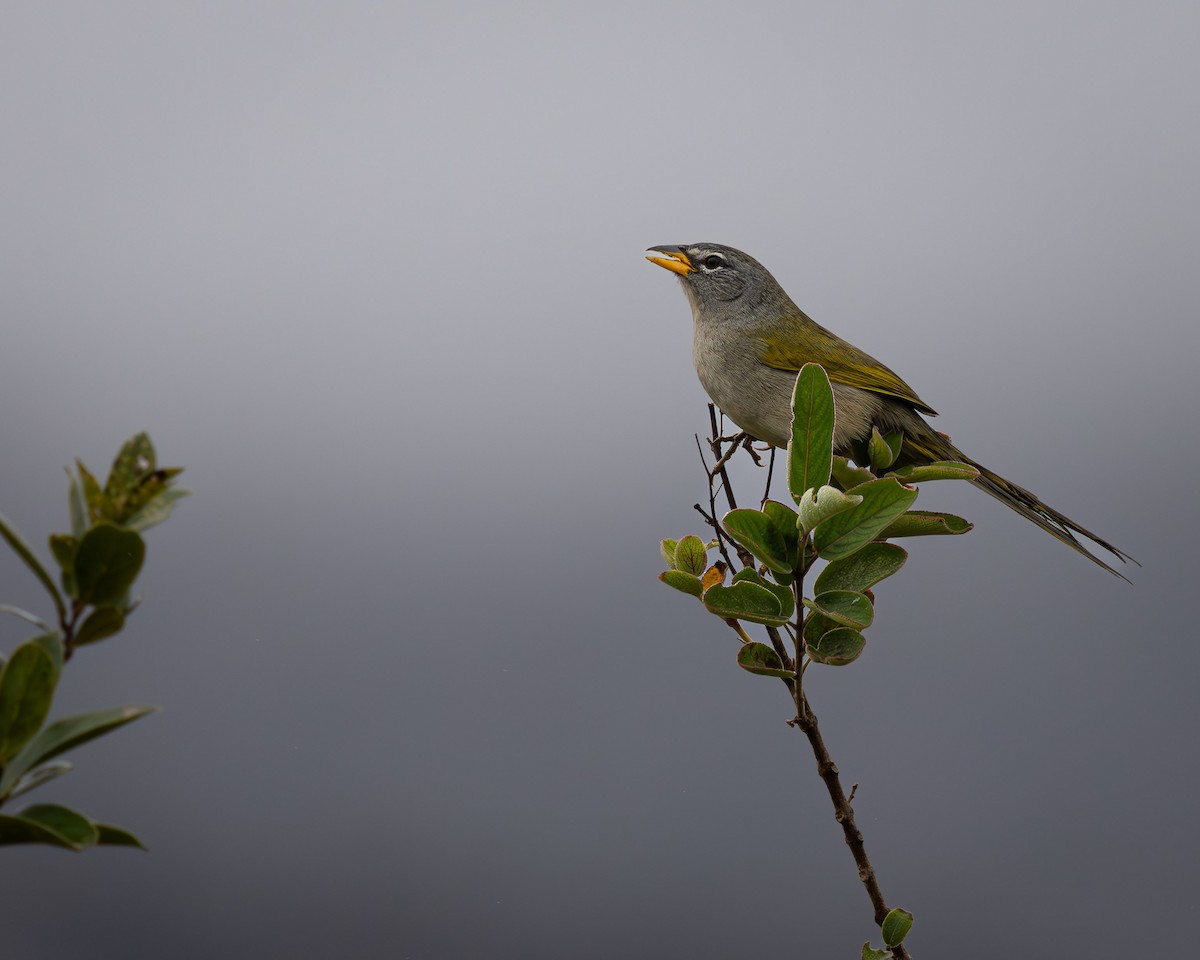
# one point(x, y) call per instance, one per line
point(758, 398)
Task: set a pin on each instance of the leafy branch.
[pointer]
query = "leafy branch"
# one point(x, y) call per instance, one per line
point(98, 561)
point(847, 512)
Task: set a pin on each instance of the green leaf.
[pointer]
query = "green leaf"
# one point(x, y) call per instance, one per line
point(895, 927)
point(816, 626)
point(882, 451)
point(136, 494)
point(156, 510)
point(938, 470)
point(14, 830)
point(895, 440)
point(101, 623)
point(134, 461)
point(691, 556)
point(745, 600)
point(63, 549)
point(106, 564)
point(785, 520)
point(787, 599)
point(21, 548)
point(685, 582)
point(93, 496)
point(667, 549)
point(108, 835)
point(759, 659)
point(26, 691)
point(821, 503)
point(758, 533)
point(810, 453)
point(870, 953)
point(52, 643)
point(837, 647)
point(76, 506)
point(36, 778)
point(844, 607)
point(923, 523)
point(861, 570)
point(883, 501)
point(847, 476)
point(66, 734)
point(76, 829)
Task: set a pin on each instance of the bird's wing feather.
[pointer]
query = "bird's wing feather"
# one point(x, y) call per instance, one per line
point(844, 362)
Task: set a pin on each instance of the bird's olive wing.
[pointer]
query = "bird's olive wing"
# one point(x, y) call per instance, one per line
point(809, 342)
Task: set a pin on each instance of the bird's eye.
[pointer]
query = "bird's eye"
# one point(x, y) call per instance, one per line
point(713, 260)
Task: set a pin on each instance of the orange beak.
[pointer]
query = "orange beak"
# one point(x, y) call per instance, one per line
point(675, 260)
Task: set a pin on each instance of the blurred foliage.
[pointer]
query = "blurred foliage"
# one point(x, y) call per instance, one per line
point(98, 562)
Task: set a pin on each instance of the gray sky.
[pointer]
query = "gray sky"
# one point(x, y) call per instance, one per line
point(373, 273)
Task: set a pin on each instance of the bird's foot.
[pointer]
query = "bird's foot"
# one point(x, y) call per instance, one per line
point(737, 440)
point(755, 455)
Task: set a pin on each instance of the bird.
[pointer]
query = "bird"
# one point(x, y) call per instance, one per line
point(750, 341)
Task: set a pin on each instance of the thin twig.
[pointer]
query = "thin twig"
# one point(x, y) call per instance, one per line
point(715, 442)
point(721, 537)
point(711, 517)
point(737, 627)
point(68, 625)
point(780, 649)
point(806, 720)
point(770, 473)
point(719, 467)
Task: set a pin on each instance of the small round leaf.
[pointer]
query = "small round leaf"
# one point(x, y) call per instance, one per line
point(685, 582)
point(691, 556)
point(759, 659)
point(895, 927)
point(837, 647)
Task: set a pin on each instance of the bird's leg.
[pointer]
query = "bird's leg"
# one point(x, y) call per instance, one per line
point(723, 458)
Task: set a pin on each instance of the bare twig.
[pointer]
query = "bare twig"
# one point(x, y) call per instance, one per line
point(806, 720)
point(770, 473)
point(780, 649)
point(718, 470)
point(711, 517)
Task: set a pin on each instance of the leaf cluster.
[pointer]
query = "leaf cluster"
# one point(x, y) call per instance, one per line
point(846, 513)
point(98, 561)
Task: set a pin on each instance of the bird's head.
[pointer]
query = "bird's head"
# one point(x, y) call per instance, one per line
point(713, 275)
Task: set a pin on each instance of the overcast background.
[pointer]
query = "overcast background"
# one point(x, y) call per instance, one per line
point(373, 273)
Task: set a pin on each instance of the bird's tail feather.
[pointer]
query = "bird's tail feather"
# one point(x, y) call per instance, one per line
point(936, 447)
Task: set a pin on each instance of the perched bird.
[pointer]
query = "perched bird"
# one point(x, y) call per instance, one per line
point(750, 342)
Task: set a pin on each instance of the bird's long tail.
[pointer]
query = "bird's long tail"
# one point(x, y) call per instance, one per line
point(934, 446)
